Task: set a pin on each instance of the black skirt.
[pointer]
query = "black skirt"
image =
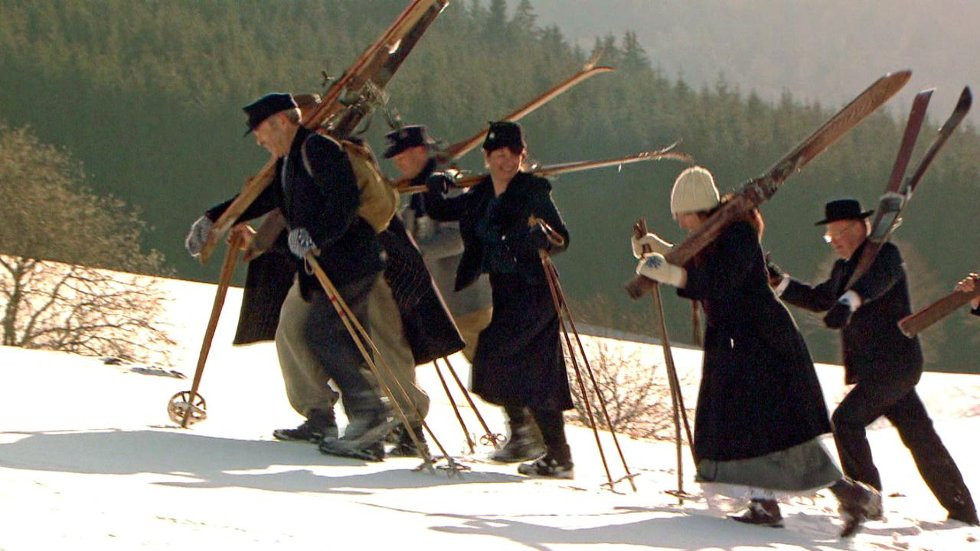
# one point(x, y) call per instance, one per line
point(519, 360)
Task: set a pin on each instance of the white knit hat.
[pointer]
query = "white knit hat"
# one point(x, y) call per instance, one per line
point(694, 191)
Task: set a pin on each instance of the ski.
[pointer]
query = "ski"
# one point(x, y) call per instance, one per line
point(912, 324)
point(462, 147)
point(348, 100)
point(576, 166)
point(759, 189)
point(899, 192)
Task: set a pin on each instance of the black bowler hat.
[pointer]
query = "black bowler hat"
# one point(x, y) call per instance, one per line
point(504, 134)
point(843, 209)
point(265, 107)
point(404, 138)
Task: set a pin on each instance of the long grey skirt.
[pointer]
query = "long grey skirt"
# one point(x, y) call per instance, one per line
point(806, 467)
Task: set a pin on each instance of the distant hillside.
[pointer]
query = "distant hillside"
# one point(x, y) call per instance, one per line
point(148, 96)
point(822, 50)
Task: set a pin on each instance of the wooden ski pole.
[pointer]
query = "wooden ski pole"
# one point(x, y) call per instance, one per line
point(578, 372)
point(677, 399)
point(550, 266)
point(193, 405)
point(452, 402)
point(491, 438)
point(357, 333)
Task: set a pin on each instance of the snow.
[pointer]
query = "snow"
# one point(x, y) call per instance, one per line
point(90, 459)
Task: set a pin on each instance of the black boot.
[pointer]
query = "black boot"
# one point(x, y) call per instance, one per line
point(556, 463)
point(525, 440)
point(966, 517)
point(405, 446)
point(858, 503)
point(761, 512)
point(363, 438)
point(319, 425)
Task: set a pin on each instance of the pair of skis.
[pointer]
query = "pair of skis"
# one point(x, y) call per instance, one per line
point(347, 102)
point(576, 166)
point(901, 187)
point(758, 190)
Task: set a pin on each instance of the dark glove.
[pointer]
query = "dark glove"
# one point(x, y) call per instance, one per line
point(537, 238)
point(837, 316)
point(775, 272)
point(438, 184)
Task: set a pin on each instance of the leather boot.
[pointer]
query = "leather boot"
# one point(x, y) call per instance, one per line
point(524, 442)
point(761, 512)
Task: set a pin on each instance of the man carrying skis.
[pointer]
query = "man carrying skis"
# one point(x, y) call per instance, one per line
point(317, 193)
point(883, 364)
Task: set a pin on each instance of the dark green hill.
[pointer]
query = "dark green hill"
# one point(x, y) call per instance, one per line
point(148, 96)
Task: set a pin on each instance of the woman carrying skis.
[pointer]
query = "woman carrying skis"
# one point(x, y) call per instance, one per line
point(519, 363)
point(760, 411)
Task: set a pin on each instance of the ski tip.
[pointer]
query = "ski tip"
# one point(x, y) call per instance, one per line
point(902, 76)
point(966, 99)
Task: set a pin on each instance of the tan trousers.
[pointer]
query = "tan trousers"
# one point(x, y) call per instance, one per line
point(314, 348)
point(469, 326)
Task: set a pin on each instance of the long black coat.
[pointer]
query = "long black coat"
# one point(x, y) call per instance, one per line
point(325, 204)
point(518, 357)
point(873, 345)
point(428, 326)
point(759, 391)
point(525, 195)
point(323, 198)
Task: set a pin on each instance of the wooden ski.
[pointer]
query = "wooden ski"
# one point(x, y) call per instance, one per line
point(462, 147)
point(346, 102)
point(576, 166)
point(760, 189)
point(912, 324)
point(899, 191)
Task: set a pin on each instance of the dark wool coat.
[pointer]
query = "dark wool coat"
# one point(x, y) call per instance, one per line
point(323, 199)
point(426, 321)
point(428, 326)
point(874, 347)
point(518, 357)
point(759, 391)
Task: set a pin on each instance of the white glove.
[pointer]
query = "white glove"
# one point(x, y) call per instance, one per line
point(651, 240)
point(656, 267)
point(851, 299)
point(300, 242)
point(198, 235)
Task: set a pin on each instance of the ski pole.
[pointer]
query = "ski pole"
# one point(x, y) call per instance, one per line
point(193, 405)
point(452, 402)
point(550, 267)
point(357, 332)
point(492, 439)
point(677, 400)
point(578, 372)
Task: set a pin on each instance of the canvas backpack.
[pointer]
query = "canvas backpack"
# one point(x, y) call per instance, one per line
point(379, 199)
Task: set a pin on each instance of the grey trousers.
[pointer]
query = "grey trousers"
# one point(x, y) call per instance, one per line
point(397, 371)
point(314, 347)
